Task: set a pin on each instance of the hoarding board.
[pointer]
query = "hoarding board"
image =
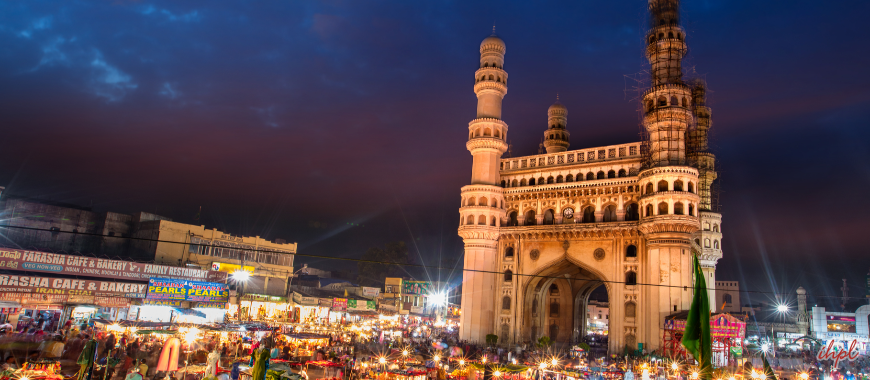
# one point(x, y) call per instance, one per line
point(70, 286)
point(44, 262)
point(166, 289)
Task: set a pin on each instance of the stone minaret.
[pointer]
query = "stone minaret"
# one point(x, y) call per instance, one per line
point(556, 136)
point(482, 206)
point(803, 317)
point(670, 202)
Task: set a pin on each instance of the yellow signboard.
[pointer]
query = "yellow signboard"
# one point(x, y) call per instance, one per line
point(230, 268)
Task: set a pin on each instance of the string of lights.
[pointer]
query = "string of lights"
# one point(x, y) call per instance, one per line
point(412, 265)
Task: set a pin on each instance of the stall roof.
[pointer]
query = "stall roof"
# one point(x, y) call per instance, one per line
point(306, 336)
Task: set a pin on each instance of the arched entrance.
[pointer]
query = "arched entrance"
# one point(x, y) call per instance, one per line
point(556, 303)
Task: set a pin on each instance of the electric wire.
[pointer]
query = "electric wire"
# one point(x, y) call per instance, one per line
point(685, 287)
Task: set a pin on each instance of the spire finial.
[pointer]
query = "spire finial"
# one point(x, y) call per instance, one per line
point(557, 96)
point(493, 28)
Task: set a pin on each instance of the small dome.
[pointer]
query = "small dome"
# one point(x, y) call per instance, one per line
point(492, 42)
point(557, 106)
point(800, 290)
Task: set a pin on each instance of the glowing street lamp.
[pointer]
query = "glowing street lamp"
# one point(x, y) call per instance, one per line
point(241, 275)
point(694, 375)
point(462, 362)
point(497, 373)
point(782, 308)
point(804, 376)
point(436, 358)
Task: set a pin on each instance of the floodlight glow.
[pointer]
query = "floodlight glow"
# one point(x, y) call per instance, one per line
point(782, 308)
point(241, 275)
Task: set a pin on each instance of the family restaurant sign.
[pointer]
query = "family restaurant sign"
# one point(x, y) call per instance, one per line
point(69, 286)
point(35, 261)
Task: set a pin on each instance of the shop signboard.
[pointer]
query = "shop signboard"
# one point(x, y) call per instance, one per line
point(111, 301)
point(370, 292)
point(324, 302)
point(339, 304)
point(44, 262)
point(36, 299)
point(417, 310)
point(303, 300)
point(387, 307)
point(230, 268)
point(166, 289)
point(212, 305)
point(162, 303)
point(361, 305)
point(69, 286)
point(263, 298)
point(416, 287)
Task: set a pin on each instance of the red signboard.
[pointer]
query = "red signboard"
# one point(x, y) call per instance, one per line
point(69, 286)
point(721, 326)
point(35, 261)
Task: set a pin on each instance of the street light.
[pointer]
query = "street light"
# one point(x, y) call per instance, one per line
point(782, 308)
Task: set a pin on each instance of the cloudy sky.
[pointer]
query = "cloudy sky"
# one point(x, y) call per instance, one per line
point(341, 124)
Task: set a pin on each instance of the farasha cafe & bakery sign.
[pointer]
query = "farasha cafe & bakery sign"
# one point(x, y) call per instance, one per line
point(34, 261)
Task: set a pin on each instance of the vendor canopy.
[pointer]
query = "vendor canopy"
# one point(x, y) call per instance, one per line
point(721, 325)
point(306, 336)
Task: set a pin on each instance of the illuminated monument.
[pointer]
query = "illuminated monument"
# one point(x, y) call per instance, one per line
point(542, 232)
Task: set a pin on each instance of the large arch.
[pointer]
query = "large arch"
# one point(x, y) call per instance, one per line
point(575, 282)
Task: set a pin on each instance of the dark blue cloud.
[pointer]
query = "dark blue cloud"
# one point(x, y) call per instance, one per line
point(281, 115)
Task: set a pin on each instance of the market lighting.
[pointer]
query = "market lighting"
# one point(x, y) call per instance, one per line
point(382, 360)
point(543, 365)
point(765, 347)
point(241, 275)
point(754, 374)
point(804, 376)
point(436, 358)
point(439, 299)
point(782, 308)
point(554, 362)
point(675, 366)
point(462, 362)
point(497, 373)
point(694, 375)
point(731, 378)
point(404, 352)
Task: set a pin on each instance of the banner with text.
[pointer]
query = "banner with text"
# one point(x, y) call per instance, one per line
point(370, 292)
point(360, 305)
point(35, 261)
point(416, 287)
point(182, 290)
point(68, 286)
point(339, 304)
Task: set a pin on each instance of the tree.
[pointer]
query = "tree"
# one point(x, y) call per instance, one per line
point(491, 339)
point(544, 342)
point(371, 270)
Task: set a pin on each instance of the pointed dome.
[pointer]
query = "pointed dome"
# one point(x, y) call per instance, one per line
point(557, 106)
point(492, 43)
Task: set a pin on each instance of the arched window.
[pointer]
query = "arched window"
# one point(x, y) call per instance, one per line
point(508, 275)
point(481, 220)
point(530, 218)
point(632, 212)
point(482, 201)
point(726, 298)
point(706, 243)
point(652, 39)
point(621, 173)
point(492, 221)
point(630, 309)
point(509, 252)
point(678, 185)
point(691, 187)
point(491, 77)
point(513, 219)
point(548, 217)
point(630, 278)
point(674, 101)
point(506, 303)
point(610, 213)
point(531, 182)
point(678, 208)
point(541, 181)
point(502, 183)
point(514, 183)
point(470, 220)
point(569, 178)
point(590, 176)
point(554, 307)
point(663, 208)
point(589, 215)
point(691, 209)
point(685, 102)
point(698, 242)
point(550, 179)
point(663, 102)
point(649, 188)
point(560, 179)
point(611, 174)
point(631, 251)
point(496, 133)
point(649, 105)
point(649, 210)
point(487, 132)
point(716, 244)
point(470, 202)
point(715, 228)
point(523, 182)
point(670, 34)
point(554, 331)
point(663, 185)
point(554, 290)
point(600, 175)
point(494, 202)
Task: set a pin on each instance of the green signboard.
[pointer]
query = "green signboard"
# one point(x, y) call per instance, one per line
point(416, 287)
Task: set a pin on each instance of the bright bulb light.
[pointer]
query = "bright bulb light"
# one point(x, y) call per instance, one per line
point(543, 365)
point(404, 352)
point(765, 347)
point(782, 308)
point(497, 373)
point(241, 275)
point(674, 366)
point(694, 375)
point(461, 362)
point(805, 376)
point(437, 358)
point(382, 360)
point(554, 362)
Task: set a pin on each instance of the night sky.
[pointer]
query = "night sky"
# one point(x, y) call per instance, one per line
point(342, 124)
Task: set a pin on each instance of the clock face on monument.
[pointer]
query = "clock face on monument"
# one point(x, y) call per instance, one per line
point(568, 213)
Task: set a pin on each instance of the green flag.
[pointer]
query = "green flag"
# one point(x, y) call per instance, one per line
point(768, 372)
point(696, 338)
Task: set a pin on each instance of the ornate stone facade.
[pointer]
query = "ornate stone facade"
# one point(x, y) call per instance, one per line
point(542, 232)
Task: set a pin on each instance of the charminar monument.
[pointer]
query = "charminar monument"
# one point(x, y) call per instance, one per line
point(542, 232)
